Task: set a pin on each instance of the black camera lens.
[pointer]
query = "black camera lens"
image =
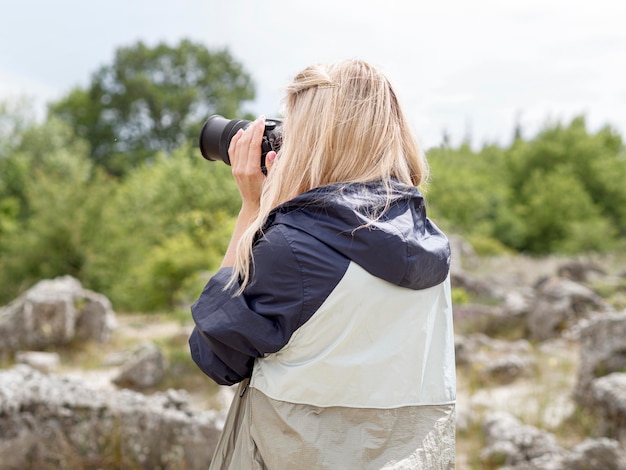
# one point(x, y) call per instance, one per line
point(218, 131)
point(216, 135)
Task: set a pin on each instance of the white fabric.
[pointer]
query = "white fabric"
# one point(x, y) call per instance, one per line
point(385, 347)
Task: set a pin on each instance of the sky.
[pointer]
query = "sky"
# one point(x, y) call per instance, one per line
point(470, 69)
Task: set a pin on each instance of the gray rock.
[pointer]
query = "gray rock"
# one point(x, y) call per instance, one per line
point(558, 304)
point(608, 402)
point(145, 368)
point(473, 284)
point(49, 422)
point(602, 351)
point(95, 320)
point(596, 454)
point(580, 270)
point(45, 362)
point(495, 360)
point(504, 370)
point(517, 302)
point(462, 254)
point(54, 312)
point(512, 443)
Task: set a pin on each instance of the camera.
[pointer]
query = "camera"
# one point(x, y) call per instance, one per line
point(218, 131)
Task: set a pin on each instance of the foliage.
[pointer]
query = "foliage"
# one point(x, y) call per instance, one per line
point(166, 222)
point(153, 99)
point(54, 199)
point(562, 191)
point(16, 115)
point(150, 240)
point(142, 241)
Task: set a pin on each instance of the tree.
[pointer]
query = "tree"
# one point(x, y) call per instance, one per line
point(562, 191)
point(595, 161)
point(163, 225)
point(55, 199)
point(16, 115)
point(467, 188)
point(153, 99)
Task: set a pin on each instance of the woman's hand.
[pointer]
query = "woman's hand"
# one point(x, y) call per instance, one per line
point(245, 159)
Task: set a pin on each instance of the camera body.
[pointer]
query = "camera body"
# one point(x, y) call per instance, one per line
point(218, 131)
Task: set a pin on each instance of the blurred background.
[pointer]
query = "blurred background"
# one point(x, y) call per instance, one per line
point(519, 107)
point(470, 70)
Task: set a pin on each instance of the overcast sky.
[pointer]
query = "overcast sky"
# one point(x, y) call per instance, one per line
point(472, 68)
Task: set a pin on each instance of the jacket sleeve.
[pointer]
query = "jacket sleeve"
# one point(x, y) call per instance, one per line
point(232, 330)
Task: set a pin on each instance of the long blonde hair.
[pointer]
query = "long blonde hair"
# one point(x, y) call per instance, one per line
point(342, 123)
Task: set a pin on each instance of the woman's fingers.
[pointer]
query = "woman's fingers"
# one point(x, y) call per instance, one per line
point(245, 159)
point(245, 147)
point(269, 160)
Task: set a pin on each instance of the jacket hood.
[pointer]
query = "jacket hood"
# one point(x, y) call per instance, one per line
point(383, 229)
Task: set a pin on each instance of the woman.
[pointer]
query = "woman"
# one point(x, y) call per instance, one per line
point(332, 305)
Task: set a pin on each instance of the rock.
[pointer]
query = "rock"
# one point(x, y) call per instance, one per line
point(491, 320)
point(608, 402)
point(517, 302)
point(600, 454)
point(462, 350)
point(504, 370)
point(145, 368)
point(463, 255)
point(494, 360)
point(473, 285)
point(52, 422)
point(511, 443)
point(580, 270)
point(42, 361)
point(54, 312)
point(558, 304)
point(602, 351)
point(95, 321)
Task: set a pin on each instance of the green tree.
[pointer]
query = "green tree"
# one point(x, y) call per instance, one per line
point(153, 99)
point(467, 190)
point(57, 199)
point(166, 222)
point(560, 216)
point(561, 191)
point(594, 165)
point(16, 115)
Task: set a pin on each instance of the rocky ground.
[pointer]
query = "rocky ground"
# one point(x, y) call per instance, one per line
point(523, 326)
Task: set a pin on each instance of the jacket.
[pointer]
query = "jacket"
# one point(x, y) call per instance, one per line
point(343, 338)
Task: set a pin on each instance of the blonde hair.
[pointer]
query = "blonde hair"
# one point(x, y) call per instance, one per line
point(342, 123)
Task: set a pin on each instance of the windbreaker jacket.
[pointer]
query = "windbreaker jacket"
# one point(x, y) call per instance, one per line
point(342, 340)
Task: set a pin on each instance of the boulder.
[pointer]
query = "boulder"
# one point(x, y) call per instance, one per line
point(50, 422)
point(474, 285)
point(462, 254)
point(608, 403)
point(580, 270)
point(558, 304)
point(145, 368)
point(601, 454)
point(54, 312)
point(494, 360)
point(45, 362)
point(504, 370)
point(602, 352)
point(510, 443)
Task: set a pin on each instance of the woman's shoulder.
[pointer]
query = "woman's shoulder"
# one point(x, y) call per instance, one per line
point(310, 254)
